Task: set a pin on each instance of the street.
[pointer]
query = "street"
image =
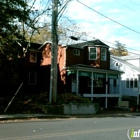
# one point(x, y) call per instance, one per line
point(106, 128)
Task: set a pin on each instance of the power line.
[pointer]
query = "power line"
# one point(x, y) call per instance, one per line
point(127, 7)
point(108, 17)
point(135, 3)
point(63, 9)
point(107, 42)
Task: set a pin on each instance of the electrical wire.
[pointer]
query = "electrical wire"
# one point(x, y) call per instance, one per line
point(63, 9)
point(135, 3)
point(107, 42)
point(108, 17)
point(127, 7)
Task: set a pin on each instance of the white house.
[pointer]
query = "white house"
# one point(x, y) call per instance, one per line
point(130, 65)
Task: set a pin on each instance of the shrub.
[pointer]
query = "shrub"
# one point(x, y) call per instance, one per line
point(71, 98)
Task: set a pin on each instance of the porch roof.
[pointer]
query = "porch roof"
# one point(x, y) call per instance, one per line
point(88, 68)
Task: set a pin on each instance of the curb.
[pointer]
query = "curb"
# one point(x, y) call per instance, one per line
point(51, 116)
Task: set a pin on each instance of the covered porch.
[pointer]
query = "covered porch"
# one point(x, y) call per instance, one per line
point(94, 83)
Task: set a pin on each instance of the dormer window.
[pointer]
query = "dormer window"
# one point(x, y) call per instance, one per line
point(76, 52)
point(103, 54)
point(92, 53)
point(33, 57)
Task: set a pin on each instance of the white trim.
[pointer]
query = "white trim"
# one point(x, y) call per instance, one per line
point(105, 55)
point(129, 83)
point(89, 53)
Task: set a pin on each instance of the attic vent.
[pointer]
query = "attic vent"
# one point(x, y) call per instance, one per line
point(116, 64)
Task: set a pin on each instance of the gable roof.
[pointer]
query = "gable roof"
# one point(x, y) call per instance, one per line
point(34, 46)
point(123, 61)
point(46, 42)
point(131, 57)
point(96, 42)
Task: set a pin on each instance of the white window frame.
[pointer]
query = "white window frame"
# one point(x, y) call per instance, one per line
point(30, 82)
point(127, 81)
point(92, 53)
point(33, 57)
point(76, 52)
point(103, 54)
point(132, 83)
point(135, 83)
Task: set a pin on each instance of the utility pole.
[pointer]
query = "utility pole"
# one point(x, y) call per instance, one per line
point(54, 48)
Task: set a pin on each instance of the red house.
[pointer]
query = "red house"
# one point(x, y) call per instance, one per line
point(84, 69)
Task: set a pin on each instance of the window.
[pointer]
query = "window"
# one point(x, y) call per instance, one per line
point(135, 83)
point(98, 83)
point(89, 82)
point(92, 53)
point(103, 54)
point(127, 83)
point(33, 57)
point(76, 52)
point(131, 83)
point(114, 82)
point(32, 78)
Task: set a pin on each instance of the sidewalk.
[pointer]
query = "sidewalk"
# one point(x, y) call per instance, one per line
point(49, 116)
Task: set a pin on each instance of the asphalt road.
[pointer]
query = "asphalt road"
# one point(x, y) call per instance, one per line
point(107, 128)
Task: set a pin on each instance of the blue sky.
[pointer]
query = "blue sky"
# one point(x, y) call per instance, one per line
point(97, 21)
point(124, 12)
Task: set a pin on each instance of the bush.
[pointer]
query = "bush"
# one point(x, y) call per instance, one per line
point(71, 98)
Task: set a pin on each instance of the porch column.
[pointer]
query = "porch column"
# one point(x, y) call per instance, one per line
point(138, 89)
point(92, 78)
point(120, 98)
point(77, 82)
point(106, 89)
